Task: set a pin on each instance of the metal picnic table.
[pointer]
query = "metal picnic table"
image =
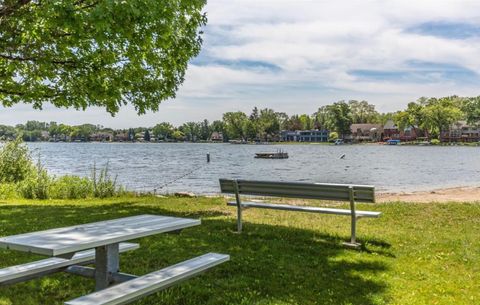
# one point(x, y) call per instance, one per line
point(70, 244)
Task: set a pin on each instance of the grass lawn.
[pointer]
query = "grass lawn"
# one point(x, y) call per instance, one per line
point(413, 254)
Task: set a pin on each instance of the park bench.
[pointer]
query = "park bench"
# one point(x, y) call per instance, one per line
point(319, 191)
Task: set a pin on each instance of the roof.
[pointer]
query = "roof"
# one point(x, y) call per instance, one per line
point(365, 127)
point(390, 125)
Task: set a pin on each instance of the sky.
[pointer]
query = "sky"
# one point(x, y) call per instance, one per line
point(297, 55)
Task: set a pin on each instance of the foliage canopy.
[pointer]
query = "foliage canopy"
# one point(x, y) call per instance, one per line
point(103, 53)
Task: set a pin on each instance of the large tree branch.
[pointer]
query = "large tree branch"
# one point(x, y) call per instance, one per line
point(34, 59)
point(53, 94)
point(7, 10)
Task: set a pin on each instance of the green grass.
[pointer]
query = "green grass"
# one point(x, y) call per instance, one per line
point(413, 254)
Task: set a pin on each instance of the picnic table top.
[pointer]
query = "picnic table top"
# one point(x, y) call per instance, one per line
point(66, 240)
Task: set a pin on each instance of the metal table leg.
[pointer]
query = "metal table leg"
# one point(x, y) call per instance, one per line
point(107, 261)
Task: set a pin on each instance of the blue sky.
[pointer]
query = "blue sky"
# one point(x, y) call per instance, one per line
point(297, 55)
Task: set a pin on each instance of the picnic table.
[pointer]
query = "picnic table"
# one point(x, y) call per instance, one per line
point(101, 243)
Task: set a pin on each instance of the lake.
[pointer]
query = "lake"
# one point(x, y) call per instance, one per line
point(175, 167)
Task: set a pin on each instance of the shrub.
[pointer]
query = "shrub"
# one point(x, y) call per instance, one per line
point(8, 191)
point(103, 185)
point(333, 136)
point(71, 187)
point(15, 162)
point(36, 185)
point(19, 177)
point(435, 142)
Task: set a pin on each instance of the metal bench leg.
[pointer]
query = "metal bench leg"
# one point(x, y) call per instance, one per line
point(239, 207)
point(353, 238)
point(107, 262)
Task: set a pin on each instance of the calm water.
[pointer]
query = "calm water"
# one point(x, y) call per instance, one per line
point(176, 167)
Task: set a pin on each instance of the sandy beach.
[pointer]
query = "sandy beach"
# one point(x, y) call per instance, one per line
point(459, 194)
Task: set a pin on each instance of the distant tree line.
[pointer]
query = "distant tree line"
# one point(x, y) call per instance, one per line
point(432, 115)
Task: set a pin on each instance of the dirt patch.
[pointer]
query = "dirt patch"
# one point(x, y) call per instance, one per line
point(460, 194)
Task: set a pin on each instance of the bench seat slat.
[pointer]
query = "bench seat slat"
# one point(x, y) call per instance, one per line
point(144, 285)
point(53, 264)
point(306, 209)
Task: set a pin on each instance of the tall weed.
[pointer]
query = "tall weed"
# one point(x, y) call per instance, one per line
point(103, 184)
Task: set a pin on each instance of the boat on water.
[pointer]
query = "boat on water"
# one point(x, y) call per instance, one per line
point(393, 142)
point(279, 154)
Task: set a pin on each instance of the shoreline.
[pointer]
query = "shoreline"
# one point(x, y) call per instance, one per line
point(441, 195)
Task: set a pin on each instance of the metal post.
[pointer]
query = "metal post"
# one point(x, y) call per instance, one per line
point(354, 216)
point(107, 261)
point(239, 206)
point(353, 240)
point(208, 157)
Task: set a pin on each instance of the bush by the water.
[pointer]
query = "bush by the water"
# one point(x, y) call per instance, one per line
point(15, 162)
point(71, 187)
point(21, 178)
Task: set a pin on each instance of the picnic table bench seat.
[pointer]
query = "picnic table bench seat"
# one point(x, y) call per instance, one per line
point(141, 286)
point(20, 273)
point(319, 191)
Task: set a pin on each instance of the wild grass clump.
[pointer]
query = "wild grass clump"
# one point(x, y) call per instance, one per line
point(71, 187)
point(21, 178)
point(35, 185)
point(103, 184)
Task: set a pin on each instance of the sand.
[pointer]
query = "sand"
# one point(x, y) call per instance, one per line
point(458, 194)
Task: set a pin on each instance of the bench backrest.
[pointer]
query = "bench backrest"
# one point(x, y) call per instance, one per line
point(321, 191)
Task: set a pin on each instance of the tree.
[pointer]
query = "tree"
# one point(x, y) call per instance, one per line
point(306, 121)
point(205, 130)
point(254, 116)
point(269, 125)
point(131, 134)
point(250, 130)
point(293, 123)
point(471, 108)
point(83, 132)
point(178, 135)
point(191, 131)
point(411, 117)
point(234, 124)
point(96, 52)
point(163, 131)
point(363, 112)
point(323, 118)
point(440, 114)
point(282, 118)
point(146, 136)
point(341, 118)
point(7, 132)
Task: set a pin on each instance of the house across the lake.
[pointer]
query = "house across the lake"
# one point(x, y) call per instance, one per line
point(102, 137)
point(366, 132)
point(313, 135)
point(461, 132)
point(392, 132)
point(216, 137)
